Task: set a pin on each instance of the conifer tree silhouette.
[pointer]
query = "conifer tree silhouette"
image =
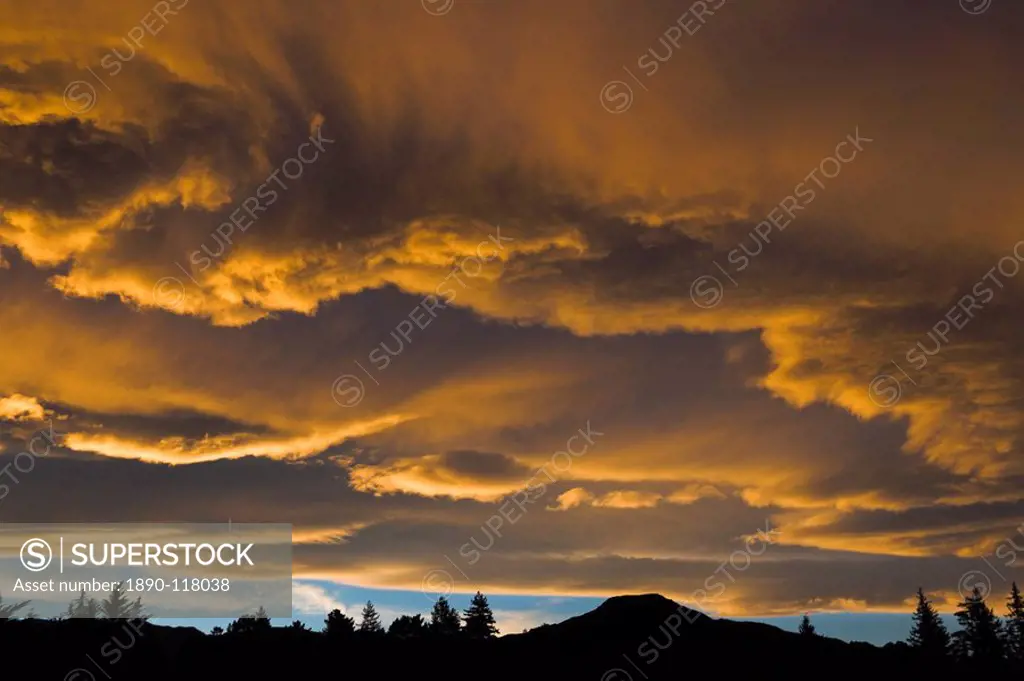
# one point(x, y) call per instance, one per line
point(259, 621)
point(479, 619)
point(444, 619)
point(929, 634)
point(339, 625)
point(806, 628)
point(8, 610)
point(117, 606)
point(83, 607)
point(1015, 624)
point(407, 626)
point(370, 622)
point(981, 634)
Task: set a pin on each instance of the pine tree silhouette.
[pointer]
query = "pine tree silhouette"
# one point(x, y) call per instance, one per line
point(1015, 624)
point(118, 606)
point(370, 623)
point(981, 634)
point(444, 619)
point(7, 611)
point(245, 624)
point(806, 628)
point(407, 626)
point(929, 634)
point(339, 625)
point(83, 608)
point(479, 619)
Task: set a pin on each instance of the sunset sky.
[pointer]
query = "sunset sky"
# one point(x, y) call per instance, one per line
point(366, 266)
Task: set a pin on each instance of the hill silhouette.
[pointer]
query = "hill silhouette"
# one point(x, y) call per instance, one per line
point(627, 638)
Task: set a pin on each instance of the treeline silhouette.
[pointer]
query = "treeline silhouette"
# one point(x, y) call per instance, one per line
point(982, 637)
point(627, 638)
point(445, 621)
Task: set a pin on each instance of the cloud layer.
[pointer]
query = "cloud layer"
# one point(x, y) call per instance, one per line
point(369, 269)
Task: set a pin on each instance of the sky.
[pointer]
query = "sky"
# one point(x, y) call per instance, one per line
point(556, 301)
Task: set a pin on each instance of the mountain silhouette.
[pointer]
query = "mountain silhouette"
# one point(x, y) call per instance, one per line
point(627, 638)
point(651, 635)
point(619, 616)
